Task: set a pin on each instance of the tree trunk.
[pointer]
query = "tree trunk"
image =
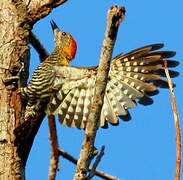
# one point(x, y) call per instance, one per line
point(14, 52)
point(16, 135)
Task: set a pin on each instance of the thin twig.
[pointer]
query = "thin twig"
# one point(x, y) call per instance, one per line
point(177, 125)
point(95, 164)
point(54, 161)
point(115, 16)
point(98, 173)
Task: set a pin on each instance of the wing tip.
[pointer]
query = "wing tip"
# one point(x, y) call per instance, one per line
point(145, 100)
point(157, 46)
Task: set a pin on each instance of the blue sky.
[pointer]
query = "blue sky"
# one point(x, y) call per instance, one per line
point(143, 148)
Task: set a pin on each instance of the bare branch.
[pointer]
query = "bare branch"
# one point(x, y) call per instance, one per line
point(54, 161)
point(28, 129)
point(67, 156)
point(115, 16)
point(38, 9)
point(97, 161)
point(26, 132)
point(43, 54)
point(98, 173)
point(177, 125)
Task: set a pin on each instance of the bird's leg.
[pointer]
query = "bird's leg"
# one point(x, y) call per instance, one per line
point(32, 109)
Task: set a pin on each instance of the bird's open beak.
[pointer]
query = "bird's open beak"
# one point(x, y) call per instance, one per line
point(53, 25)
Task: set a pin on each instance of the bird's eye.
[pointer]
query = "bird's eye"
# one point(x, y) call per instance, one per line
point(63, 33)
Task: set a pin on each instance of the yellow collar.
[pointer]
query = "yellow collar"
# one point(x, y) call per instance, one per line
point(64, 62)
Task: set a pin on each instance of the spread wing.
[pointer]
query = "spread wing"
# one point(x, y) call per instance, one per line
point(132, 76)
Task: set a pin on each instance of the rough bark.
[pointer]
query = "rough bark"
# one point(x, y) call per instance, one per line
point(14, 52)
point(16, 20)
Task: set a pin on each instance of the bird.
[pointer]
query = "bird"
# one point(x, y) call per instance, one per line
point(68, 91)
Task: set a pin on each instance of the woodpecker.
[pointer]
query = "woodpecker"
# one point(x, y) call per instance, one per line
point(68, 90)
point(41, 85)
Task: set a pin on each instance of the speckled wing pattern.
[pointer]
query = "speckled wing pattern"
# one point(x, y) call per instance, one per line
point(133, 76)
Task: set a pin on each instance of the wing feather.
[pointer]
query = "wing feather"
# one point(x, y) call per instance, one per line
point(110, 115)
point(133, 76)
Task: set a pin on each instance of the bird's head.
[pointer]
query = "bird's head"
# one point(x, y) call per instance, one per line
point(65, 44)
